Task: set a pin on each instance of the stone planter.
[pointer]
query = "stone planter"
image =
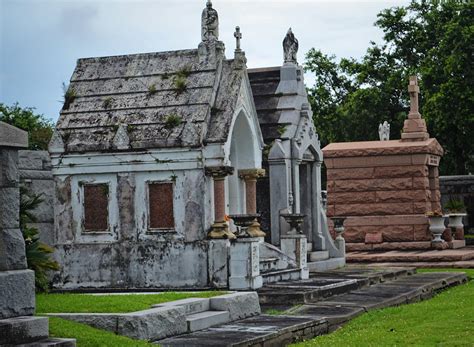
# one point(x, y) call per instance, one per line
point(455, 222)
point(339, 226)
point(437, 227)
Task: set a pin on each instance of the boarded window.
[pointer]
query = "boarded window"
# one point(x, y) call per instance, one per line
point(96, 207)
point(160, 197)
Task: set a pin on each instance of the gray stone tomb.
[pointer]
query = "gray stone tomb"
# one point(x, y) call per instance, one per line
point(157, 150)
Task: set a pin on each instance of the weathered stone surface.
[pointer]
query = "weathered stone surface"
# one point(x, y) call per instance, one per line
point(10, 211)
point(401, 171)
point(11, 136)
point(153, 324)
point(353, 173)
point(353, 197)
point(240, 305)
point(191, 305)
point(17, 293)
point(371, 238)
point(421, 233)
point(398, 233)
point(23, 329)
point(372, 185)
point(400, 196)
point(381, 148)
point(12, 248)
point(372, 209)
point(9, 167)
point(103, 321)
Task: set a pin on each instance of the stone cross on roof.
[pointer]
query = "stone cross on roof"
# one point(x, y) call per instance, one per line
point(414, 90)
point(238, 37)
point(414, 128)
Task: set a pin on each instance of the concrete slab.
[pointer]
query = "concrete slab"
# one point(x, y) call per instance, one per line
point(191, 305)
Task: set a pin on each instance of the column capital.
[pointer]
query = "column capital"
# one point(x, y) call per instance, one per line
point(251, 174)
point(219, 171)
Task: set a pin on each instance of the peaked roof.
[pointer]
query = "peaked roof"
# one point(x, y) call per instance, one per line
point(165, 99)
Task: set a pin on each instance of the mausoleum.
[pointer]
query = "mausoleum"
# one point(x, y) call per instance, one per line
point(387, 188)
point(156, 159)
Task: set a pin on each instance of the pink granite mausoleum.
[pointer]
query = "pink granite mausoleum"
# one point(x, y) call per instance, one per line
point(386, 188)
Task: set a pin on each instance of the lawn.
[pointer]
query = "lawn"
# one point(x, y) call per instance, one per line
point(86, 303)
point(445, 320)
point(87, 336)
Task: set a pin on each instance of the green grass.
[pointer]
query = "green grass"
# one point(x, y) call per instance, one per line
point(84, 303)
point(445, 320)
point(87, 336)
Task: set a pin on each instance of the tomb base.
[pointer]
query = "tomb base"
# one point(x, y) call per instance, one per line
point(17, 293)
point(295, 246)
point(245, 264)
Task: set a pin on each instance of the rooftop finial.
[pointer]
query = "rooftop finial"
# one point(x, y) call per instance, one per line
point(238, 37)
point(290, 48)
point(414, 90)
point(209, 23)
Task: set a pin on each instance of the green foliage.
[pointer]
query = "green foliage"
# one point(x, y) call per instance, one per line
point(432, 39)
point(37, 253)
point(69, 95)
point(87, 336)
point(455, 206)
point(180, 84)
point(419, 324)
point(281, 129)
point(152, 89)
point(107, 103)
point(57, 303)
point(39, 127)
point(172, 121)
point(184, 72)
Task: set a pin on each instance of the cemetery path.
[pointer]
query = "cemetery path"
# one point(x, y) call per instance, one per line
point(320, 305)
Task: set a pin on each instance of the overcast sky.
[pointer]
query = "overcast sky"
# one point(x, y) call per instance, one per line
point(40, 40)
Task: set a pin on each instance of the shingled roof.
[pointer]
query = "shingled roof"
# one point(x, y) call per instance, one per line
point(166, 99)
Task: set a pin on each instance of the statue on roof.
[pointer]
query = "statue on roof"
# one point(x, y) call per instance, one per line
point(384, 131)
point(209, 23)
point(290, 47)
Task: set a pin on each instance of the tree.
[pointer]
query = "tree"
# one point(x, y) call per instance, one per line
point(39, 128)
point(431, 39)
point(37, 253)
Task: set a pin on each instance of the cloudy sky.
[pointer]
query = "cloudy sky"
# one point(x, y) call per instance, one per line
point(40, 40)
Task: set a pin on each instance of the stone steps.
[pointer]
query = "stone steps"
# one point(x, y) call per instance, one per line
point(379, 289)
point(267, 264)
point(273, 276)
point(206, 319)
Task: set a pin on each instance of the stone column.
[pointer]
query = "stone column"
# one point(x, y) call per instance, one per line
point(244, 265)
point(17, 284)
point(295, 246)
point(219, 229)
point(250, 177)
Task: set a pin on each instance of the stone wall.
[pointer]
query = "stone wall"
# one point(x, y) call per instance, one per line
point(130, 255)
point(384, 188)
point(459, 188)
point(35, 174)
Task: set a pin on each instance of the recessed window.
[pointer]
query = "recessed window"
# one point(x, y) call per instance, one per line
point(160, 200)
point(96, 207)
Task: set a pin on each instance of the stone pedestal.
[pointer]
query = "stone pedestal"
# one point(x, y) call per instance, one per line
point(219, 229)
point(295, 246)
point(245, 264)
point(218, 265)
